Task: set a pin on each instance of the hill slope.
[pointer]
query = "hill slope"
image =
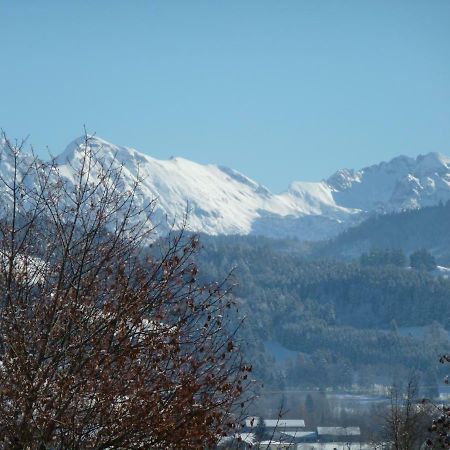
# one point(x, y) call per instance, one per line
point(333, 319)
point(408, 230)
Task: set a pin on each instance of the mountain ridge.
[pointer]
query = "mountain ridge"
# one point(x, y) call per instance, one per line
point(222, 200)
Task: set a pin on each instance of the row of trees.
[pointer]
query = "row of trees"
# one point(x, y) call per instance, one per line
point(420, 259)
point(101, 347)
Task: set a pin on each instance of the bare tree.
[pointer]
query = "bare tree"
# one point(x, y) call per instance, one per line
point(104, 345)
point(405, 421)
point(440, 425)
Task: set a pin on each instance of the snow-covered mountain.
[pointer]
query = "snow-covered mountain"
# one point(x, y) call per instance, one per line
point(220, 200)
point(223, 201)
point(401, 183)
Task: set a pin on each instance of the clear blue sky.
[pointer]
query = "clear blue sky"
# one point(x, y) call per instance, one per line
point(280, 90)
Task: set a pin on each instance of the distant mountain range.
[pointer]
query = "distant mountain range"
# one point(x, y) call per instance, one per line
point(221, 200)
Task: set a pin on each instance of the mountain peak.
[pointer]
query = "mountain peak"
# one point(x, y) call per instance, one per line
point(431, 163)
point(104, 150)
point(77, 146)
point(343, 179)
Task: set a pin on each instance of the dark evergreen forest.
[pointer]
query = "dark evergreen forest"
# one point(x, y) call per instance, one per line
point(343, 320)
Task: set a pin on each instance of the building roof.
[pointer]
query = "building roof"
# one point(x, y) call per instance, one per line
point(300, 434)
point(338, 431)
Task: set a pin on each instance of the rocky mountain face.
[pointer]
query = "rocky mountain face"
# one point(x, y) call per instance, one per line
point(221, 200)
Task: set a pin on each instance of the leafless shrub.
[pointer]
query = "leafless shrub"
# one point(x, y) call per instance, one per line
point(101, 345)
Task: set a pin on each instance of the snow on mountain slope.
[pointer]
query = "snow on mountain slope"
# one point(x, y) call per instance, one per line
point(7, 164)
point(313, 198)
point(401, 183)
point(223, 201)
point(220, 200)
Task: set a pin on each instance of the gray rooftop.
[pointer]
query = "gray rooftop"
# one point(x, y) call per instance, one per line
point(299, 434)
point(338, 431)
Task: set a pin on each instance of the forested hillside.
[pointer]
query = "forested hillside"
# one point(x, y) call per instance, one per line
point(344, 322)
point(409, 230)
